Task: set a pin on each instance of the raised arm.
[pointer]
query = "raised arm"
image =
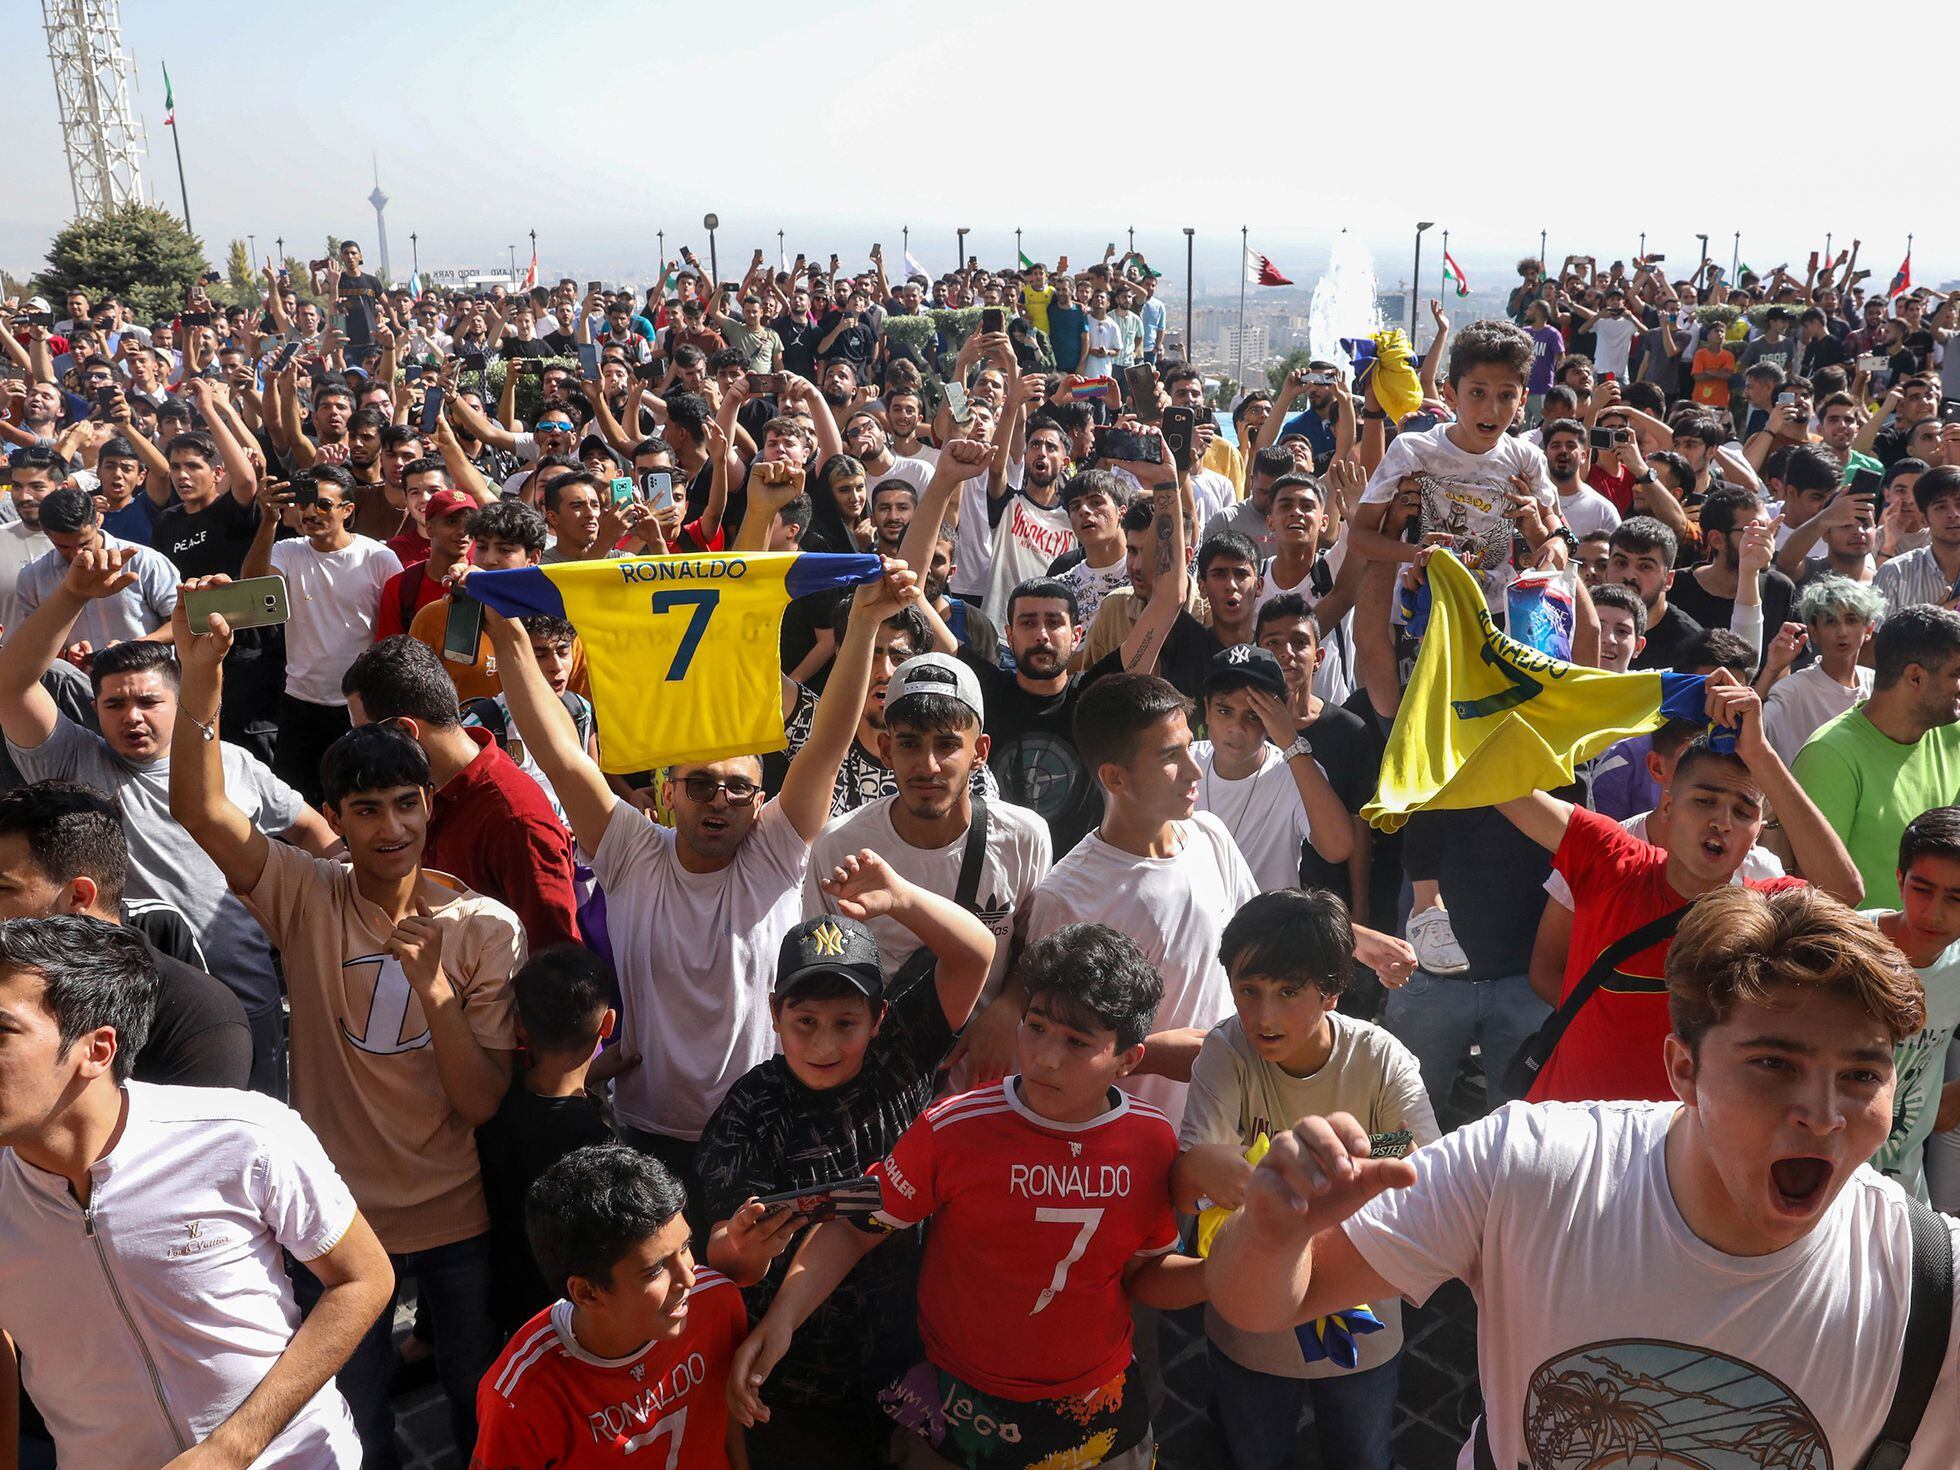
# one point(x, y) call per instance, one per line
point(1146, 640)
point(483, 429)
point(28, 715)
point(864, 887)
point(549, 733)
point(197, 775)
point(1819, 851)
point(241, 476)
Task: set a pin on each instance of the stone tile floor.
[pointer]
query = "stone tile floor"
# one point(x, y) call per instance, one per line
point(1437, 1404)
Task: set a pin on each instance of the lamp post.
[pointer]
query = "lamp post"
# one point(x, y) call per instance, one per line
point(1735, 257)
point(959, 251)
point(1544, 266)
point(1190, 262)
point(1133, 239)
point(1018, 252)
point(513, 263)
point(280, 241)
point(252, 244)
point(414, 255)
point(1415, 277)
point(1702, 268)
point(905, 244)
point(782, 260)
point(710, 222)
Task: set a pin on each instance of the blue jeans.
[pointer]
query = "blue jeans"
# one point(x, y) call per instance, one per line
point(1353, 1415)
point(452, 1284)
point(1437, 1019)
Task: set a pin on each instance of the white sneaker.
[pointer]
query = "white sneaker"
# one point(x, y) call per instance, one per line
point(1435, 943)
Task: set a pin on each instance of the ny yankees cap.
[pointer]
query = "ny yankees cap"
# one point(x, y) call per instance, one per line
point(937, 673)
point(1244, 665)
point(831, 944)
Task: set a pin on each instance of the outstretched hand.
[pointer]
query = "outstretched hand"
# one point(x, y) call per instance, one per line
point(1317, 1174)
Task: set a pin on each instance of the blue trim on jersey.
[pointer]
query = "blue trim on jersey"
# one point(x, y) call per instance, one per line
point(1683, 696)
point(520, 592)
point(819, 571)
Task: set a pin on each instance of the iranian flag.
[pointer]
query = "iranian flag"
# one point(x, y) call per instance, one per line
point(1454, 273)
point(1901, 280)
point(1260, 271)
point(169, 101)
point(1026, 264)
point(531, 275)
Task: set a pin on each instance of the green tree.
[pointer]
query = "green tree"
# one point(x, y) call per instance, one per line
point(1277, 373)
point(138, 252)
point(241, 287)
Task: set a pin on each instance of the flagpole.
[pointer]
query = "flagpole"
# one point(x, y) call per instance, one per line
point(1245, 251)
point(177, 146)
point(1443, 276)
point(1190, 271)
point(1735, 258)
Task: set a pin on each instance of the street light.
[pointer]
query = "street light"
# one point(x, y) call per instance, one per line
point(1415, 287)
point(959, 252)
point(709, 222)
point(1190, 261)
point(414, 255)
point(513, 263)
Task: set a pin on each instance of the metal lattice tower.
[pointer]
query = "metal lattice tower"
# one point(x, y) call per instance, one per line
point(105, 143)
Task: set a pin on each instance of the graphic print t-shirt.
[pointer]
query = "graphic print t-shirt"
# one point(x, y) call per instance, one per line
point(1608, 1333)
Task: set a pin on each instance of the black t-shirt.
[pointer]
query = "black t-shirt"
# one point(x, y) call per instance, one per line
point(799, 345)
point(1187, 653)
point(854, 344)
point(359, 296)
point(204, 543)
point(1666, 638)
point(1492, 878)
point(1350, 752)
point(1710, 611)
point(522, 347)
point(772, 1134)
point(528, 1135)
point(1825, 352)
point(1034, 756)
point(200, 1037)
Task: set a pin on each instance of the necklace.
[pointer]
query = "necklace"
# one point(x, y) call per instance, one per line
point(1245, 807)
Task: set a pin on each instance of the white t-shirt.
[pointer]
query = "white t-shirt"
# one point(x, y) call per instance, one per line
point(1236, 1095)
point(1263, 812)
point(915, 472)
point(192, 1211)
point(1614, 337)
point(334, 596)
point(1102, 344)
point(973, 545)
point(1920, 1064)
point(1175, 908)
point(1018, 858)
point(1759, 863)
point(696, 957)
point(1801, 702)
point(1333, 680)
point(1463, 495)
point(1588, 513)
point(1028, 538)
point(1601, 1314)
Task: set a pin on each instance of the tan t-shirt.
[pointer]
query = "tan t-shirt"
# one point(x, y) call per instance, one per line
point(479, 680)
point(363, 1063)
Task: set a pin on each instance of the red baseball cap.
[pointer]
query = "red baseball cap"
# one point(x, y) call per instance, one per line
point(448, 502)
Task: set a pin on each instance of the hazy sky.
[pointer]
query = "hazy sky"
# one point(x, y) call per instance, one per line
point(841, 123)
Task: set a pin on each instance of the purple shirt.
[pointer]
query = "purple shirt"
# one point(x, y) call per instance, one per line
point(1548, 347)
point(1619, 784)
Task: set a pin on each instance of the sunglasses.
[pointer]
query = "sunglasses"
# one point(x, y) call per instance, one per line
point(740, 791)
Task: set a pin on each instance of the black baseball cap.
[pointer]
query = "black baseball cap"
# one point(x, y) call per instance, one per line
point(1244, 666)
point(831, 944)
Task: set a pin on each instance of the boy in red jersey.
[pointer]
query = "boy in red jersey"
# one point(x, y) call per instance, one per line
point(1049, 1195)
point(634, 1355)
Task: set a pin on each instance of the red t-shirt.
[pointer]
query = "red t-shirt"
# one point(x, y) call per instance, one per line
point(1616, 488)
point(403, 596)
point(1033, 1222)
point(546, 1401)
point(1612, 1049)
point(492, 827)
point(409, 545)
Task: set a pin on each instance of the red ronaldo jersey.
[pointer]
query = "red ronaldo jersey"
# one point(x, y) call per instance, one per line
point(548, 1404)
point(1033, 1222)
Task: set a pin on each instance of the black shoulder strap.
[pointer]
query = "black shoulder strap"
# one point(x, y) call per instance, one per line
point(974, 858)
point(410, 589)
point(1532, 1058)
point(1929, 1325)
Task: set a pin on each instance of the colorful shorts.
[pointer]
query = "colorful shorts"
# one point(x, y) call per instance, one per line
point(983, 1431)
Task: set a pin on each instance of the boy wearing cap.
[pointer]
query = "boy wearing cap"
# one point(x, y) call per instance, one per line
point(857, 1066)
point(932, 741)
point(447, 517)
point(1257, 771)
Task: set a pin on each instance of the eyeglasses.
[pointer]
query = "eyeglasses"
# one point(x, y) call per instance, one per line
point(740, 791)
point(554, 427)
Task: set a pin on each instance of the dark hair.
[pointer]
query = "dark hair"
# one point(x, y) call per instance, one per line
point(725, 358)
point(926, 711)
point(908, 621)
point(688, 411)
point(1050, 422)
point(1898, 467)
point(1227, 546)
point(1088, 482)
point(562, 993)
point(1176, 373)
point(1724, 507)
point(1612, 594)
point(548, 628)
point(1765, 372)
point(1647, 397)
point(371, 758)
point(1291, 933)
point(1935, 484)
point(555, 491)
point(1642, 534)
point(136, 656)
point(1699, 750)
point(1560, 401)
point(1920, 634)
point(1494, 344)
point(366, 418)
point(93, 974)
point(428, 464)
point(1563, 425)
point(654, 445)
point(116, 448)
point(1045, 587)
point(1811, 467)
point(893, 484)
point(68, 510)
point(1284, 606)
point(1089, 977)
point(402, 678)
point(1933, 833)
point(333, 388)
point(193, 441)
point(393, 435)
point(71, 831)
point(333, 476)
point(1717, 648)
point(798, 513)
point(509, 520)
point(1272, 462)
point(592, 1206)
point(1113, 713)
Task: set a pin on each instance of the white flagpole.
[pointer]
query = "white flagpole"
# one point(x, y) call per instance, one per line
point(1245, 265)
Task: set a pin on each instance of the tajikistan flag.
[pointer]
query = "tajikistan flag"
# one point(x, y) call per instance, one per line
point(1454, 273)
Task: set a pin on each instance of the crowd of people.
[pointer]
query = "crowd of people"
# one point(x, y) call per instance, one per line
point(867, 1099)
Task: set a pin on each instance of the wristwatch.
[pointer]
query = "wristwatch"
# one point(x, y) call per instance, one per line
point(1647, 479)
point(1300, 746)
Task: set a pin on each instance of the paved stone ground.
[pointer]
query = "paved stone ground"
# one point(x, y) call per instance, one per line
point(1437, 1404)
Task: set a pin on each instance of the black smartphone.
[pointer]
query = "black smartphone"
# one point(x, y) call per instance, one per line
point(592, 288)
point(197, 318)
point(306, 492)
point(462, 630)
point(1600, 438)
point(472, 362)
point(105, 399)
point(1949, 410)
point(993, 319)
point(1140, 382)
point(39, 319)
point(1180, 422)
point(1127, 444)
point(858, 1198)
point(764, 383)
point(431, 408)
point(647, 372)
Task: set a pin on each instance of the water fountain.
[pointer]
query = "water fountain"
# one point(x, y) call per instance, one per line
point(1343, 301)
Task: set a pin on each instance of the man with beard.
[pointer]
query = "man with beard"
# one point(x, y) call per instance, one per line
point(892, 504)
point(1317, 381)
point(1248, 516)
point(1031, 524)
point(1707, 594)
point(333, 408)
point(972, 629)
point(934, 744)
point(35, 474)
point(904, 417)
point(869, 442)
point(1584, 510)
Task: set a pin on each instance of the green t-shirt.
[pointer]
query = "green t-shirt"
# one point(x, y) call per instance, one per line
point(1868, 786)
point(1856, 460)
